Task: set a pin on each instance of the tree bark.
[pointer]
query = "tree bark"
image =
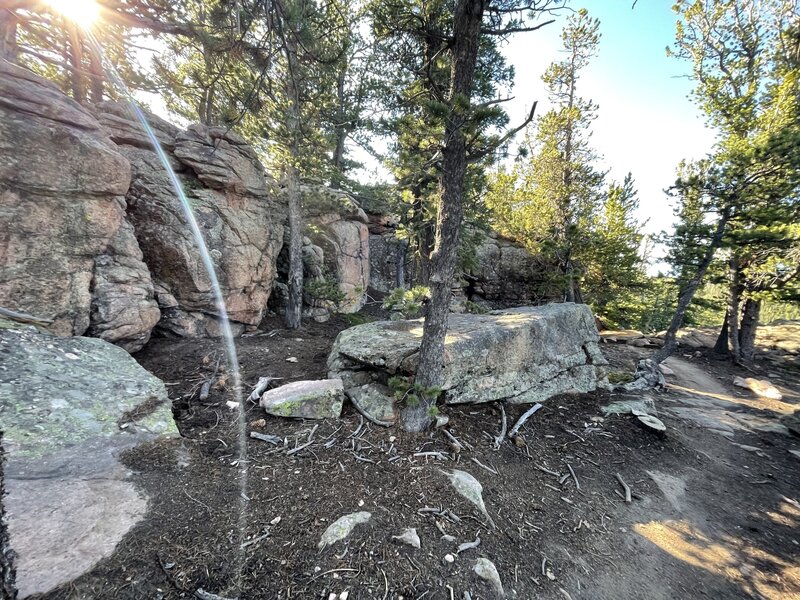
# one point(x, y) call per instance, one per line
point(747, 330)
point(467, 18)
point(8, 36)
point(97, 83)
point(76, 64)
point(721, 345)
point(689, 290)
point(294, 305)
point(8, 588)
point(734, 299)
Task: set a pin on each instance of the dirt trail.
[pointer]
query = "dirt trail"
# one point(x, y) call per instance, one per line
point(727, 528)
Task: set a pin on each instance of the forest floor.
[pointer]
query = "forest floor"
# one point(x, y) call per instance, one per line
point(714, 514)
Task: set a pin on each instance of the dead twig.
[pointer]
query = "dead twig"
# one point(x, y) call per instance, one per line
point(483, 466)
point(205, 389)
point(625, 487)
point(368, 416)
point(261, 387)
point(574, 477)
point(469, 545)
point(21, 317)
point(204, 595)
point(503, 428)
point(521, 421)
point(271, 439)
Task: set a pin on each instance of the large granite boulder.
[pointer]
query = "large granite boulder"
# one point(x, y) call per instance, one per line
point(521, 355)
point(62, 187)
point(337, 229)
point(506, 274)
point(237, 207)
point(69, 407)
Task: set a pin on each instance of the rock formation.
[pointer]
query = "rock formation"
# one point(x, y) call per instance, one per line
point(336, 255)
point(70, 406)
point(62, 187)
point(520, 355)
point(238, 209)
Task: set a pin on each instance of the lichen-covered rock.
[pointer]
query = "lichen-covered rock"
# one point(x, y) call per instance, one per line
point(523, 355)
point(236, 205)
point(320, 399)
point(69, 407)
point(124, 309)
point(62, 183)
point(376, 401)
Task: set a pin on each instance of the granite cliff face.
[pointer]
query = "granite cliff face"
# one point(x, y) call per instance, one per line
point(94, 238)
point(62, 188)
point(237, 206)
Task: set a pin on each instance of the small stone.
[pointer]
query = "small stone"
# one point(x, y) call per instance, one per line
point(409, 537)
point(442, 420)
point(292, 359)
point(449, 558)
point(392, 439)
point(342, 528)
point(760, 387)
point(275, 521)
point(470, 488)
point(485, 569)
point(665, 369)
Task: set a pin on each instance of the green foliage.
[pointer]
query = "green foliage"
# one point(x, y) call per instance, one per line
point(474, 308)
point(410, 393)
point(326, 289)
point(408, 303)
point(354, 319)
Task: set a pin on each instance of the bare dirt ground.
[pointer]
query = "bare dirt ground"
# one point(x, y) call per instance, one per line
point(714, 512)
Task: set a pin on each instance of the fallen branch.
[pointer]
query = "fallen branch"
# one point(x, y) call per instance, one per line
point(21, 317)
point(483, 466)
point(298, 449)
point(271, 439)
point(521, 421)
point(368, 416)
point(625, 487)
point(469, 545)
point(456, 442)
point(574, 477)
point(261, 387)
point(503, 428)
point(204, 595)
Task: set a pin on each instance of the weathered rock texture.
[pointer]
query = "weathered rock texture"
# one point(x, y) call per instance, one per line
point(124, 309)
point(521, 355)
point(62, 183)
point(69, 407)
point(237, 207)
point(320, 399)
point(506, 275)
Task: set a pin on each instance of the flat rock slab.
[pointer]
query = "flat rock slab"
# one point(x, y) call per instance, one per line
point(69, 407)
point(521, 355)
point(376, 401)
point(320, 399)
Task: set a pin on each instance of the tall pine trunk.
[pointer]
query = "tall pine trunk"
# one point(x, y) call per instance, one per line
point(747, 330)
point(467, 19)
point(721, 345)
point(8, 36)
point(294, 304)
point(690, 288)
point(8, 589)
point(734, 299)
point(76, 64)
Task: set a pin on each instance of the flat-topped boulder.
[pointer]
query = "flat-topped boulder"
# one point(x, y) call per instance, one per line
point(521, 355)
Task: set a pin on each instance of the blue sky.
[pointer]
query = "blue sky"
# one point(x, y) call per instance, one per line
point(645, 124)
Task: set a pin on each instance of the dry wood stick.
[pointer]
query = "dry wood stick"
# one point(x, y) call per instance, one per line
point(625, 487)
point(574, 477)
point(503, 428)
point(521, 421)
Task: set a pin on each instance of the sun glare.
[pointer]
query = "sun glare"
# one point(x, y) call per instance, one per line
point(82, 12)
